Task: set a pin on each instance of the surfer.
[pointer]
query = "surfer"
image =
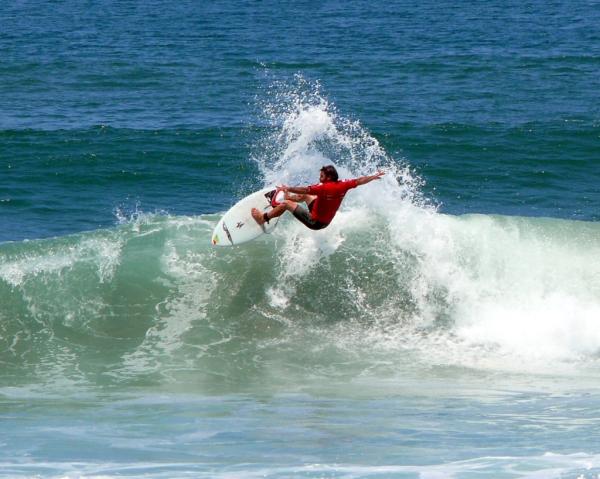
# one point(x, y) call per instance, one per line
point(322, 200)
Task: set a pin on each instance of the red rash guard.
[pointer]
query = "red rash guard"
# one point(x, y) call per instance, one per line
point(329, 198)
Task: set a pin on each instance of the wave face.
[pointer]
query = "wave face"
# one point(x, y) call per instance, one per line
point(391, 287)
point(150, 301)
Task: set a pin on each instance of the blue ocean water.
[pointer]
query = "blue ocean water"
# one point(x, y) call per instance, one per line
point(446, 324)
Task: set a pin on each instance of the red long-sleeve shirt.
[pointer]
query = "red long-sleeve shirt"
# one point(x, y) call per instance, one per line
point(329, 198)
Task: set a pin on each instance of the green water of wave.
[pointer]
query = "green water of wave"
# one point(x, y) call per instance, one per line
point(150, 301)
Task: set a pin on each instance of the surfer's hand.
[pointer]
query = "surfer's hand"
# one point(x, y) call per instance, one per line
point(378, 175)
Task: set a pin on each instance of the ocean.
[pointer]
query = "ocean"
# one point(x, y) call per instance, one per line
point(445, 325)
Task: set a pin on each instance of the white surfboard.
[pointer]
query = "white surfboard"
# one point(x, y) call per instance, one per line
point(237, 225)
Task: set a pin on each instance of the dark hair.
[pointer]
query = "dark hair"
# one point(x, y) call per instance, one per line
point(331, 172)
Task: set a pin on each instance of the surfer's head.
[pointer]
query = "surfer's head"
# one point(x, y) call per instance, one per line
point(328, 173)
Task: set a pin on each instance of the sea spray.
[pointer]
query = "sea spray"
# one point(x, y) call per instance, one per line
point(307, 131)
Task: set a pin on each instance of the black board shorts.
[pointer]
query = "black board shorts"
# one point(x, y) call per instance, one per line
point(303, 215)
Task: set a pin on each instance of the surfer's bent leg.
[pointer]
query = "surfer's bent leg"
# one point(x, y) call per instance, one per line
point(261, 218)
point(305, 217)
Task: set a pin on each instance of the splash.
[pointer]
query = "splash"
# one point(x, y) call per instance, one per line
point(307, 132)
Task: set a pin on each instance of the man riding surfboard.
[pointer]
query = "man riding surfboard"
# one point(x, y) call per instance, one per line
point(322, 199)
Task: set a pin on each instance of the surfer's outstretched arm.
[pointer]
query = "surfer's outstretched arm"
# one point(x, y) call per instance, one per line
point(363, 180)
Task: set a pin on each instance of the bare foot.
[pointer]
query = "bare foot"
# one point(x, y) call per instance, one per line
point(258, 216)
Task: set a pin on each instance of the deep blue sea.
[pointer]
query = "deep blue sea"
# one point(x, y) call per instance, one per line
point(445, 325)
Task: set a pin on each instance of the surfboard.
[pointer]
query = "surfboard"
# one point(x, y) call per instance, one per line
point(237, 225)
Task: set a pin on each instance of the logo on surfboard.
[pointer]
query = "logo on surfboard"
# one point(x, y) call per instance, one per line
point(227, 233)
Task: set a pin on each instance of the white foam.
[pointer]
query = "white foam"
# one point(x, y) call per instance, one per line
point(544, 466)
point(104, 252)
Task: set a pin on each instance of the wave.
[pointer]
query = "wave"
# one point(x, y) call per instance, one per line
point(391, 287)
point(151, 300)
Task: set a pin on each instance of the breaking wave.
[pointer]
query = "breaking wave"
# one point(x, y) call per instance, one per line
point(393, 285)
